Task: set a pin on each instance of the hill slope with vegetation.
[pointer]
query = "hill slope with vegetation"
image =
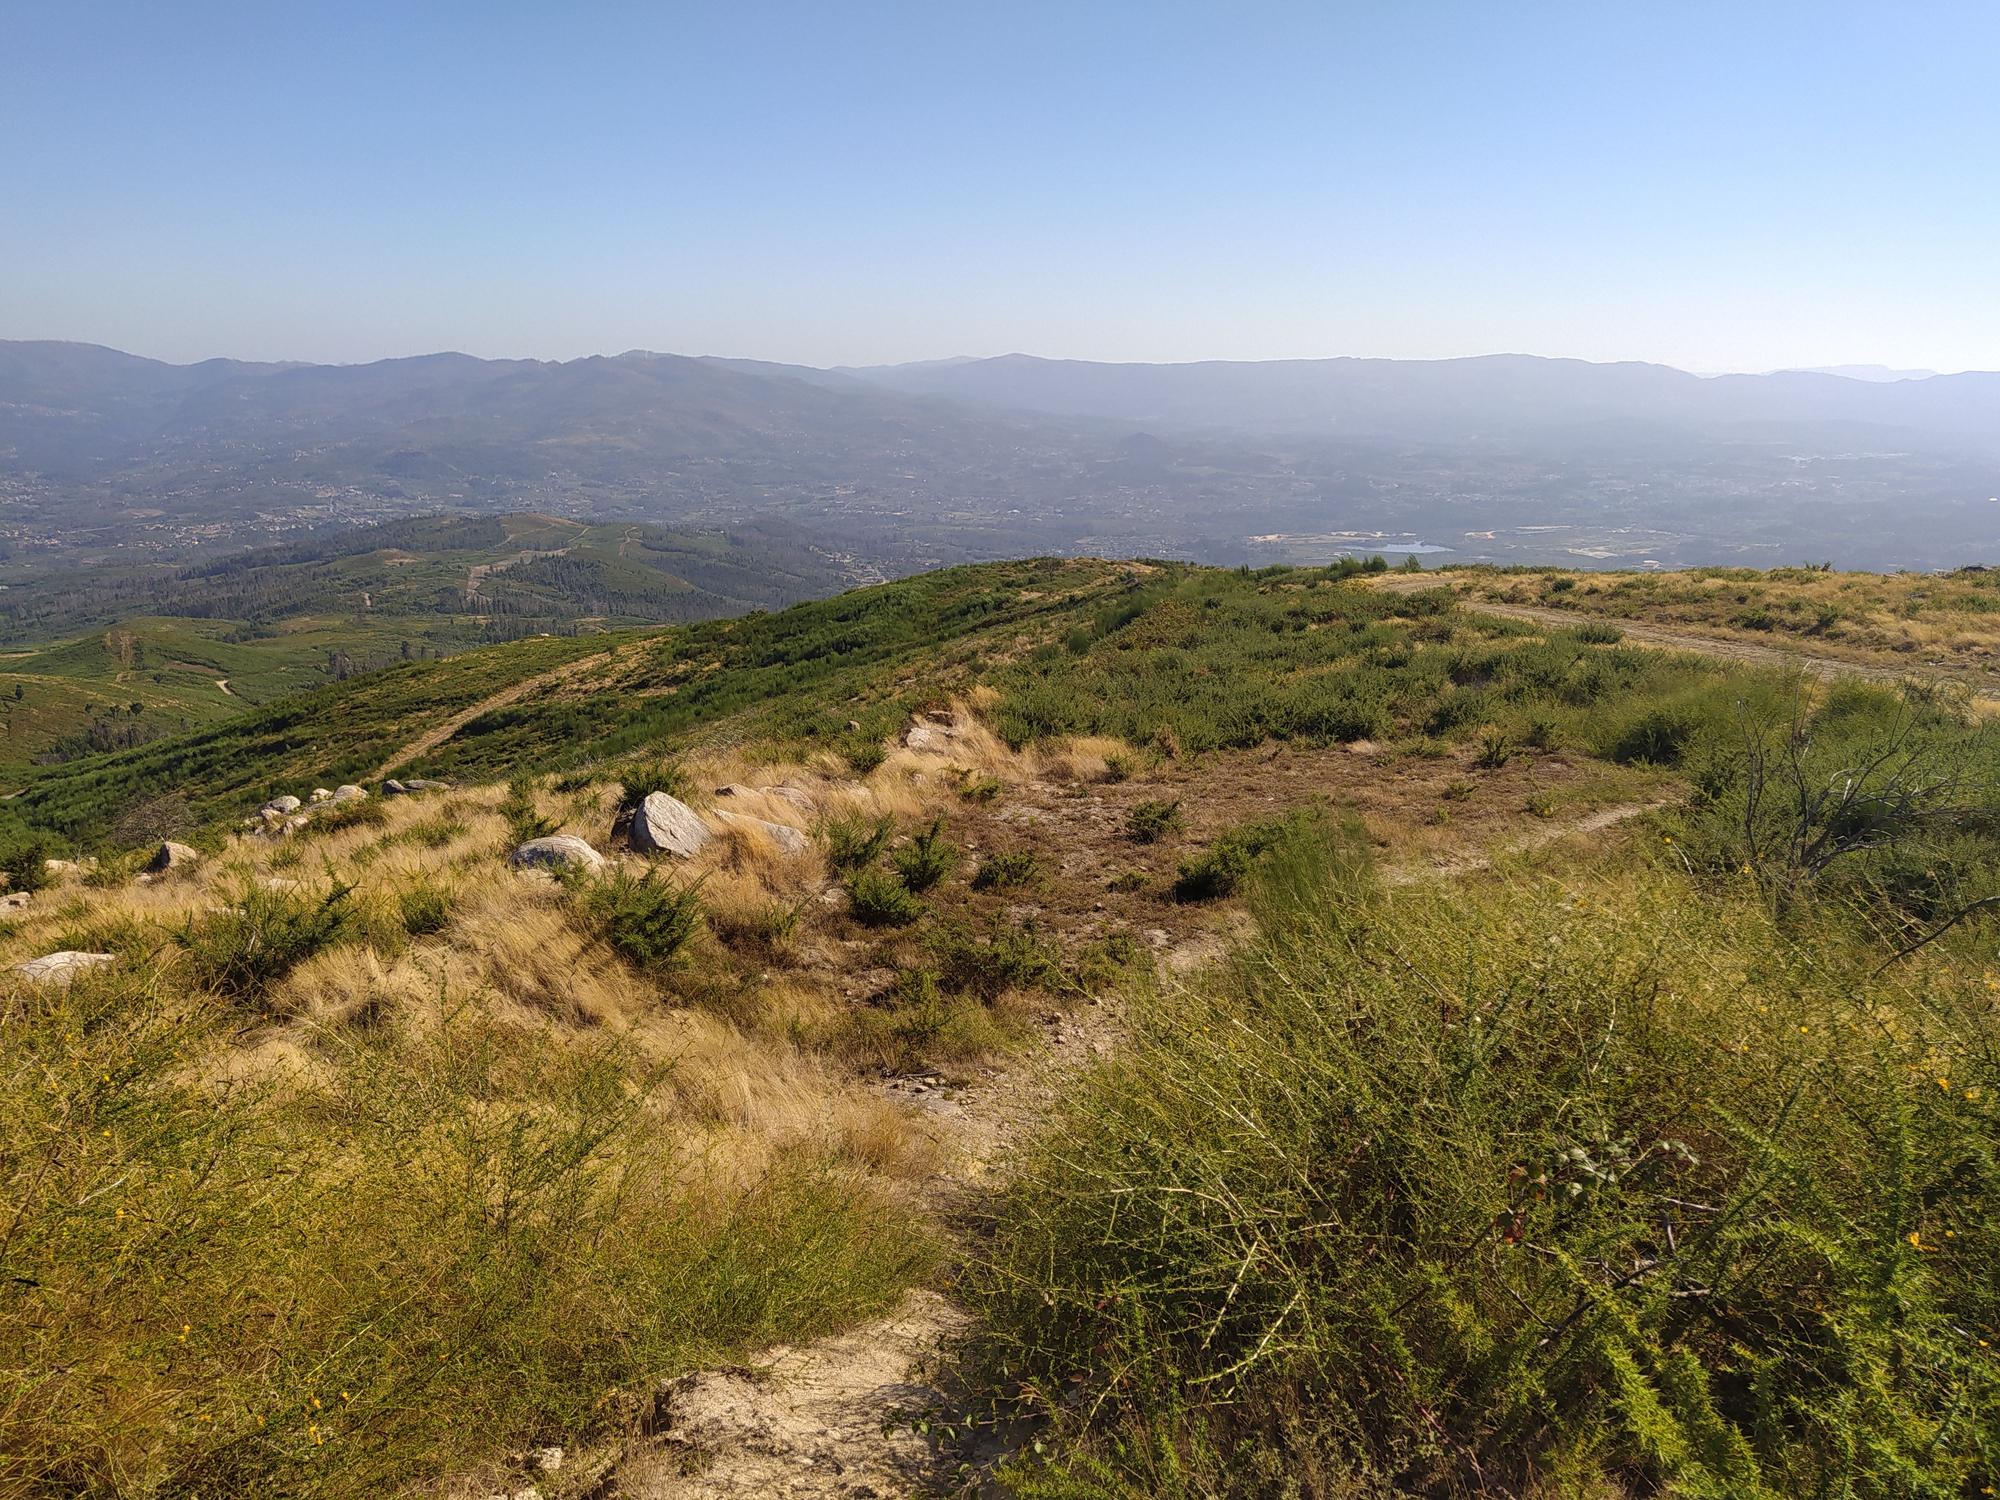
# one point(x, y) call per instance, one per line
point(1483, 1057)
point(172, 649)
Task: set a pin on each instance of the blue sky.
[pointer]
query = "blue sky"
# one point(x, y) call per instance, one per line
point(1719, 186)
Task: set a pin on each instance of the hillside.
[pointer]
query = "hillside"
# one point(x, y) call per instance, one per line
point(1107, 1026)
point(174, 648)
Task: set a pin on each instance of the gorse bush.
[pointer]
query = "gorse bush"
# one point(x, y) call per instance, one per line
point(658, 773)
point(424, 906)
point(524, 817)
point(1150, 821)
point(1015, 955)
point(649, 918)
point(926, 859)
point(879, 899)
point(853, 841)
point(1592, 1186)
point(24, 861)
point(242, 948)
point(1219, 869)
point(1007, 869)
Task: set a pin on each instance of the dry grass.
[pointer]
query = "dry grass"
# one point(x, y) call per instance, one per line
point(1947, 620)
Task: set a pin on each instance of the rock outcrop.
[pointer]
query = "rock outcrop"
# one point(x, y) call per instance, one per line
point(667, 825)
point(348, 793)
point(787, 840)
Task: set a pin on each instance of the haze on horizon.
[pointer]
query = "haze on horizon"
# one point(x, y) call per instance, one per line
point(1711, 188)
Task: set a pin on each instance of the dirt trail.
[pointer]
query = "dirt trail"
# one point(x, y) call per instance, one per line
point(431, 738)
point(829, 1420)
point(1660, 637)
point(223, 683)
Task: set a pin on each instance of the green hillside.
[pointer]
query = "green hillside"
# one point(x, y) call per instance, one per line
point(280, 621)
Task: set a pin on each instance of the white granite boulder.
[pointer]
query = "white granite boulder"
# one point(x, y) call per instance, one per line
point(667, 825)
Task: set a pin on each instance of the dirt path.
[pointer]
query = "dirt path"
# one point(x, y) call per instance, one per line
point(830, 1420)
point(431, 738)
point(1659, 637)
point(223, 683)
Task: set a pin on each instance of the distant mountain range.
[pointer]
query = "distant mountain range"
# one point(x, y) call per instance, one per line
point(911, 465)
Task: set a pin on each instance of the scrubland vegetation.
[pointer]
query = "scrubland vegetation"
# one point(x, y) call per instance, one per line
point(1675, 1172)
point(1668, 1166)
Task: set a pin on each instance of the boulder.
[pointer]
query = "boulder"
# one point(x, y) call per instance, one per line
point(283, 805)
point(667, 825)
point(411, 787)
point(15, 901)
point(62, 869)
point(61, 968)
point(802, 800)
point(172, 857)
point(557, 851)
point(788, 840)
point(348, 792)
point(734, 789)
point(321, 794)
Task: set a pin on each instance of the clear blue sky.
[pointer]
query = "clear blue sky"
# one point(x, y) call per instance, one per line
point(1716, 185)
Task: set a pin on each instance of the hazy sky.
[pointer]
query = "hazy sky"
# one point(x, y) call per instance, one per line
point(1735, 185)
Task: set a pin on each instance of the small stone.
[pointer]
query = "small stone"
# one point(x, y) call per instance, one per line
point(321, 794)
point(283, 805)
point(547, 1460)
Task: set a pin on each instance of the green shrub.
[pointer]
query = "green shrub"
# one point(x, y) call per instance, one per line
point(1495, 750)
point(1218, 870)
point(1002, 957)
point(1007, 869)
point(864, 755)
point(1366, 1214)
point(926, 859)
point(658, 773)
point(879, 899)
point(525, 822)
point(241, 949)
point(24, 861)
point(649, 918)
point(1153, 820)
point(1597, 633)
point(338, 817)
point(438, 830)
point(1125, 882)
point(853, 841)
point(424, 906)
